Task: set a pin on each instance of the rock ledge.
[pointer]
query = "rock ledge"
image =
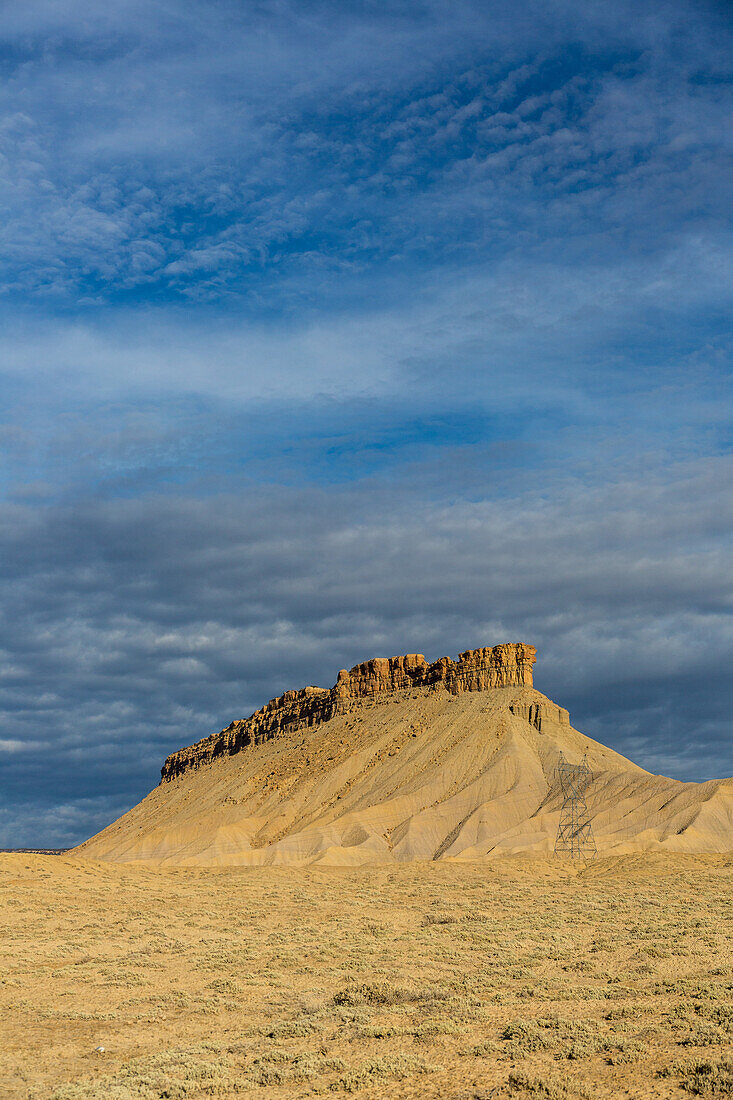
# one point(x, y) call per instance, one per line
point(508, 665)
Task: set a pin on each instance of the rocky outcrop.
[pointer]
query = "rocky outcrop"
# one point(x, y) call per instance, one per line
point(540, 714)
point(475, 670)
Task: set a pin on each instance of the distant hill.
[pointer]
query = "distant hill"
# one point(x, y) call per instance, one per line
point(405, 760)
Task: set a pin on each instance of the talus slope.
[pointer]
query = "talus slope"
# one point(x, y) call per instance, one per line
point(416, 772)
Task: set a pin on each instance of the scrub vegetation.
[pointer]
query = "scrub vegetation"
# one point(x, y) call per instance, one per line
point(505, 978)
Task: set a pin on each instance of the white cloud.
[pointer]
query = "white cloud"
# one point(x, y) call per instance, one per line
point(528, 328)
point(433, 292)
point(217, 136)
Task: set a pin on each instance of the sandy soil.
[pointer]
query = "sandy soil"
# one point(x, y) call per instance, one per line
point(413, 775)
point(503, 978)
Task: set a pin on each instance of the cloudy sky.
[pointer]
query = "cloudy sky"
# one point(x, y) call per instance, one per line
point(331, 329)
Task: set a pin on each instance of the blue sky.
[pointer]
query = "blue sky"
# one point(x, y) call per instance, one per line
point(337, 329)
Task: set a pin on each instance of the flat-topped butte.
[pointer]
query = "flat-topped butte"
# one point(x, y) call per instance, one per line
point(507, 665)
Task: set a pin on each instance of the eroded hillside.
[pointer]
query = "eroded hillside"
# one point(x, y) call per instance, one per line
point(402, 760)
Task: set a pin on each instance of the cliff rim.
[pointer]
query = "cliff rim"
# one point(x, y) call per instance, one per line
point(506, 665)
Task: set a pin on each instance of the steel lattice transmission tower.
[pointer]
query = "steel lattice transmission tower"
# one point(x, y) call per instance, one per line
point(575, 832)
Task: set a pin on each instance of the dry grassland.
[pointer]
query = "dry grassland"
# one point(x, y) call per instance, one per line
point(512, 978)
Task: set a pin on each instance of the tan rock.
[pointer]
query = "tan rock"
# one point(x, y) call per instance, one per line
point(476, 670)
point(403, 760)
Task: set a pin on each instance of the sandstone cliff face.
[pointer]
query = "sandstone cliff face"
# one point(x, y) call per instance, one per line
point(538, 713)
point(507, 665)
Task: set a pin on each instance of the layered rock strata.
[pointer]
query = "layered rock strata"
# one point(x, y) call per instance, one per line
point(538, 713)
point(508, 665)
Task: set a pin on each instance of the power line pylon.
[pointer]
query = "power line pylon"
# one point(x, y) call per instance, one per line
point(575, 832)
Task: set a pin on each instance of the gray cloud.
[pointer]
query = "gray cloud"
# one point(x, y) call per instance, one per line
point(335, 329)
point(133, 627)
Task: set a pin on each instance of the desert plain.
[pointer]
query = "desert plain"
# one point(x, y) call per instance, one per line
point(515, 977)
point(354, 893)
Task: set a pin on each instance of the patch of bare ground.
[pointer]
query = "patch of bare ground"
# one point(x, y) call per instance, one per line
point(505, 978)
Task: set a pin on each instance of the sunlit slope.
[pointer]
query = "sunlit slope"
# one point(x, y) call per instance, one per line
point(415, 775)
